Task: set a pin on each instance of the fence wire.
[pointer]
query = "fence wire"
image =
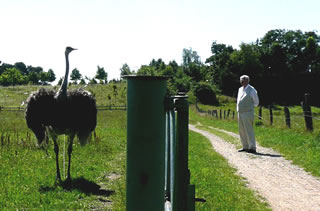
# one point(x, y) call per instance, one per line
point(99, 108)
point(276, 119)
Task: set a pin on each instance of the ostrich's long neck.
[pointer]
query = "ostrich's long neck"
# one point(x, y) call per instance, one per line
point(63, 89)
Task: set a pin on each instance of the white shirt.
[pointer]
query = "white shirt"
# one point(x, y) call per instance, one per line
point(253, 95)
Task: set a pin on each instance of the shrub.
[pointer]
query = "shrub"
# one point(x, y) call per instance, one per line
point(205, 94)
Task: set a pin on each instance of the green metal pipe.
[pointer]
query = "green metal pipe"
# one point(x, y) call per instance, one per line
point(169, 146)
point(145, 143)
point(172, 152)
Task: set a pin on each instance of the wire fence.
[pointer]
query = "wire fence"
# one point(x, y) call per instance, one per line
point(271, 116)
point(99, 108)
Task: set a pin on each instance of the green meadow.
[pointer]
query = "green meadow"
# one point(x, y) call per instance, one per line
point(98, 169)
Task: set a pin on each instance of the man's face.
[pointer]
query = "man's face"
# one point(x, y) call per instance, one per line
point(243, 82)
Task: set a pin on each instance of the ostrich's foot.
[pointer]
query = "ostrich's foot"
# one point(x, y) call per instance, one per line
point(68, 180)
point(67, 184)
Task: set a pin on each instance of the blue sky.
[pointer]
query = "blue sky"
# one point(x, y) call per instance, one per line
point(110, 33)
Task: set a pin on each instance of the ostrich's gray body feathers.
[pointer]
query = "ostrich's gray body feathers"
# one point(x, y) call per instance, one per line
point(74, 115)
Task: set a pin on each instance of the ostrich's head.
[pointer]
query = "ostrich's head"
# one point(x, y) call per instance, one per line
point(69, 49)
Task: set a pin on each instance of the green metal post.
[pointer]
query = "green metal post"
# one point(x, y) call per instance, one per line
point(181, 174)
point(172, 143)
point(145, 143)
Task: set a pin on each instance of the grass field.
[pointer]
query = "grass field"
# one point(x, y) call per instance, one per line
point(98, 170)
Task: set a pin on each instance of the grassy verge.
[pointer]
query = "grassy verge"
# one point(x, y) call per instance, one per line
point(216, 181)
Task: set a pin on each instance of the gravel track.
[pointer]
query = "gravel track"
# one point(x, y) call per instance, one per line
point(284, 185)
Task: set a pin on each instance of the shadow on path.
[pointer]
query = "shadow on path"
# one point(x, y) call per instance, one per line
point(267, 155)
point(81, 184)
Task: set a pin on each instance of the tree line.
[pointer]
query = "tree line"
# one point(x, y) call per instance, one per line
point(282, 65)
point(20, 74)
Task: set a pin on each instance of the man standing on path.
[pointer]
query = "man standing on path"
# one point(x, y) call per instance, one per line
point(247, 99)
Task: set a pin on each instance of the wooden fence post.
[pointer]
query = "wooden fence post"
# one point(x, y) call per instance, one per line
point(307, 112)
point(287, 116)
point(260, 112)
point(271, 115)
point(232, 114)
point(220, 114)
point(224, 114)
point(228, 113)
point(215, 113)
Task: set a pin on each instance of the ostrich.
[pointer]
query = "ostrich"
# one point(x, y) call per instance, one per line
point(50, 113)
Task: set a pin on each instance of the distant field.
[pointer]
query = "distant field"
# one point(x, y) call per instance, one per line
point(110, 94)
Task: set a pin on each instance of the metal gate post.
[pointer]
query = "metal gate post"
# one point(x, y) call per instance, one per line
point(181, 173)
point(145, 143)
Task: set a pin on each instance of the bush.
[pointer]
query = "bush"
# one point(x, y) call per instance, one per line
point(191, 98)
point(205, 94)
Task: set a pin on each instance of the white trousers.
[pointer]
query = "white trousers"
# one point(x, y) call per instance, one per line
point(246, 132)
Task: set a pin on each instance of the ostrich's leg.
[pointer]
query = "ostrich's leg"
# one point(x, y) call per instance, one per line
point(56, 150)
point(71, 137)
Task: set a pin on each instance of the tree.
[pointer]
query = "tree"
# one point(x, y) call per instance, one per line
point(174, 65)
point(51, 76)
point(125, 70)
point(21, 67)
point(190, 56)
point(159, 65)
point(43, 76)
point(147, 70)
point(93, 81)
point(219, 65)
point(11, 77)
point(75, 75)
point(34, 69)
point(182, 82)
point(60, 81)
point(5, 66)
point(102, 75)
point(205, 94)
point(82, 82)
point(33, 78)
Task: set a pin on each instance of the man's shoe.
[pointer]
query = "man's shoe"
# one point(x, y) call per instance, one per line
point(252, 151)
point(243, 150)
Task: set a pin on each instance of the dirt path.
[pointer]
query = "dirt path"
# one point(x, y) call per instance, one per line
point(284, 185)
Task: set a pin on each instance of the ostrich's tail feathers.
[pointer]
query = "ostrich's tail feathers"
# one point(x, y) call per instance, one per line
point(36, 114)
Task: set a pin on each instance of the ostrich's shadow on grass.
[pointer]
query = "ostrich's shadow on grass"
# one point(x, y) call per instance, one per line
point(81, 184)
